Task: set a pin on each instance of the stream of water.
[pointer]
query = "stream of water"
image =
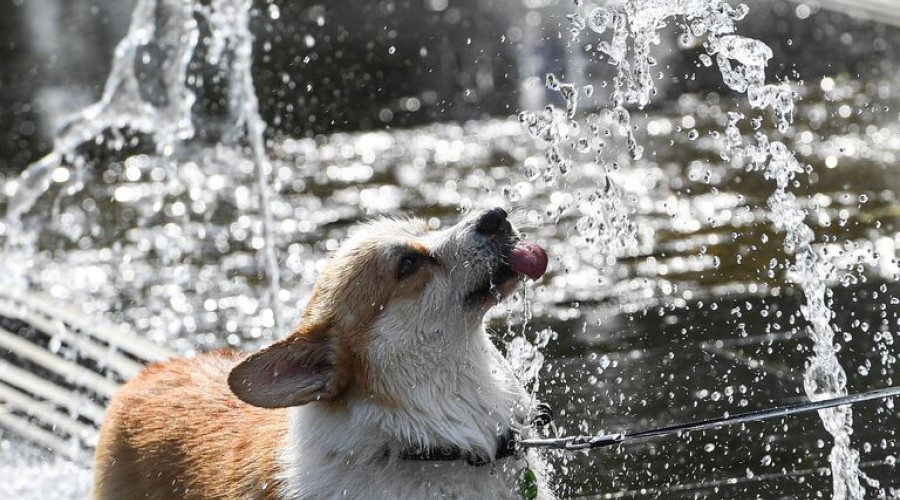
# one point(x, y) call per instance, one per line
point(634, 32)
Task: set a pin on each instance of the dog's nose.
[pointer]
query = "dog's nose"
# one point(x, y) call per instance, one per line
point(493, 221)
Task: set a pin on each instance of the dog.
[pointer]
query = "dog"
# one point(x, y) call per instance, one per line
point(389, 387)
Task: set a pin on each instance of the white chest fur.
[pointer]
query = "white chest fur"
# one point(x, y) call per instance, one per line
point(354, 451)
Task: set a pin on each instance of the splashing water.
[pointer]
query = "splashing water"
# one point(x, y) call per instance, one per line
point(635, 28)
point(604, 216)
point(824, 377)
point(165, 32)
point(123, 104)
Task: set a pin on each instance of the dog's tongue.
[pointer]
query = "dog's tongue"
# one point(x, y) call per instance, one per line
point(528, 259)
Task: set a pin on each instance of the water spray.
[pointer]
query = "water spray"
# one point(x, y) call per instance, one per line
point(635, 29)
point(576, 443)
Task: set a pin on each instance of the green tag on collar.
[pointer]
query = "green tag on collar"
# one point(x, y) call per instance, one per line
point(528, 485)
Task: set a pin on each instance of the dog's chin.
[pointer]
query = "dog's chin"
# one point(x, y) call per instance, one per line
point(498, 286)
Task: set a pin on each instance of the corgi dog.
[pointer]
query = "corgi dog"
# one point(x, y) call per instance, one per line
point(389, 387)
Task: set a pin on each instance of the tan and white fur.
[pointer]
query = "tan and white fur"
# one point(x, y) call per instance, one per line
point(388, 356)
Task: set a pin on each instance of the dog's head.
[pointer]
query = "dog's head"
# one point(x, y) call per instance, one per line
point(394, 295)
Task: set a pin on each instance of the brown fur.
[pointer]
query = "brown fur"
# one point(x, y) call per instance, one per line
point(347, 299)
point(177, 431)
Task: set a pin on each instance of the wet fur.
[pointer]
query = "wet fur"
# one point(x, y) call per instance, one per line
point(375, 366)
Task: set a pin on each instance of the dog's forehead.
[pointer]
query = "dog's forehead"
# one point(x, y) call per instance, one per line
point(384, 233)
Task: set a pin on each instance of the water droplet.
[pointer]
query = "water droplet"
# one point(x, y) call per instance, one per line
point(552, 82)
point(599, 19)
point(576, 21)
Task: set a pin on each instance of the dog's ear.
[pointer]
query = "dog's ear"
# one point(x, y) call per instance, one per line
point(292, 372)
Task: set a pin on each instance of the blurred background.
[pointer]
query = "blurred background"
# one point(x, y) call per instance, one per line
point(322, 68)
point(409, 107)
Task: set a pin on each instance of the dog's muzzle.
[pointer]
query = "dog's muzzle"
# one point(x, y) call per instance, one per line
point(515, 258)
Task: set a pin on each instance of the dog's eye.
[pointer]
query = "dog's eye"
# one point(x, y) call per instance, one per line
point(408, 266)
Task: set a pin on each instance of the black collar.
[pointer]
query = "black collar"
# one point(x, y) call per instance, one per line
point(506, 447)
